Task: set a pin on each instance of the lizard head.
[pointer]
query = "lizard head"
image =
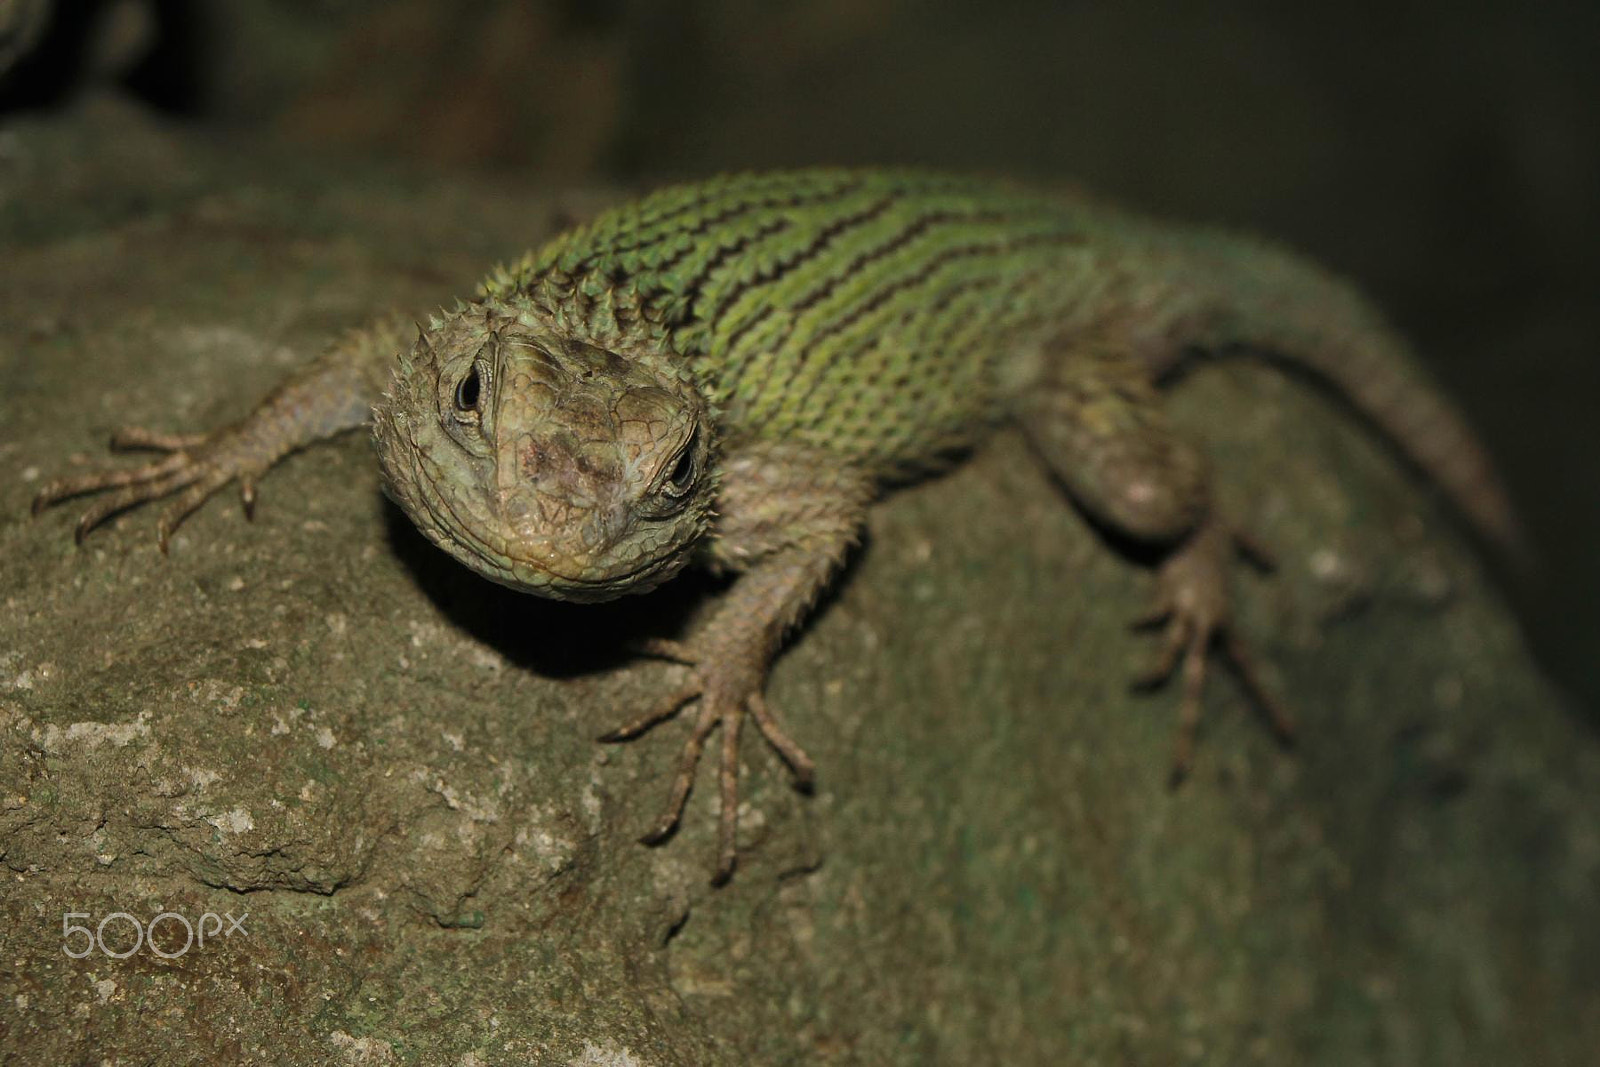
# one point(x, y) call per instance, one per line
point(544, 462)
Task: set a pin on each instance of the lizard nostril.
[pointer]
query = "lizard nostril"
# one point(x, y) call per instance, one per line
point(530, 464)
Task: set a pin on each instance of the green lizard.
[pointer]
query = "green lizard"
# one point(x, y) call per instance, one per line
point(728, 373)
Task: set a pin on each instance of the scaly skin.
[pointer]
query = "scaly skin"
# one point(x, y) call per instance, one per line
point(730, 372)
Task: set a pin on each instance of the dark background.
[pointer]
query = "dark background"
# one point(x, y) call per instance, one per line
point(1445, 155)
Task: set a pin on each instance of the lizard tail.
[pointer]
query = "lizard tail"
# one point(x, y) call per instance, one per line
point(1234, 294)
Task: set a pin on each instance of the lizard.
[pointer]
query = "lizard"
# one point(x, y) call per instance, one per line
point(729, 373)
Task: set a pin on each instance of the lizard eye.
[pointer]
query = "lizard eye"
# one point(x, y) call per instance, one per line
point(465, 406)
point(682, 474)
point(469, 390)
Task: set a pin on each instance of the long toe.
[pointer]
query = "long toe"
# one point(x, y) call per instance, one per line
point(107, 506)
point(660, 712)
point(800, 764)
point(98, 481)
point(1244, 665)
point(185, 505)
point(728, 819)
point(1174, 639)
point(684, 780)
point(1189, 706)
point(139, 439)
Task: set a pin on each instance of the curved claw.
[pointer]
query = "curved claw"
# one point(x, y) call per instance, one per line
point(728, 806)
point(1194, 682)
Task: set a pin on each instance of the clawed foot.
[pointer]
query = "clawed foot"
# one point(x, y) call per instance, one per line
point(197, 464)
point(1192, 606)
point(726, 690)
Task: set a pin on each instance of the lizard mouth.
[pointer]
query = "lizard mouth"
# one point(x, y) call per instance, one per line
point(457, 533)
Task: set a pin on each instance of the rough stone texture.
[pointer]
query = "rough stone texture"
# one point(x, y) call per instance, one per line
point(387, 763)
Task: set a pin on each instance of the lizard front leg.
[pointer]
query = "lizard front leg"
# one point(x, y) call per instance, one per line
point(333, 393)
point(785, 519)
point(1096, 420)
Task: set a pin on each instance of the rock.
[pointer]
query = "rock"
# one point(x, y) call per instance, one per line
point(376, 772)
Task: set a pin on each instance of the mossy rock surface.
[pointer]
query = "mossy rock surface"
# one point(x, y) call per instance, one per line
point(389, 764)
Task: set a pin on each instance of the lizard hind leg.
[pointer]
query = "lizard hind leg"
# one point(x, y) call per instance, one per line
point(1097, 422)
point(1193, 608)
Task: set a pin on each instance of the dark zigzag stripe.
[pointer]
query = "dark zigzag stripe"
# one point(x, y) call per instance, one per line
point(692, 291)
point(732, 344)
point(946, 296)
point(914, 229)
point(651, 229)
point(931, 266)
point(789, 201)
point(783, 268)
point(727, 252)
point(735, 188)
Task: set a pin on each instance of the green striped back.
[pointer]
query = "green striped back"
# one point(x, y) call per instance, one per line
point(868, 313)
